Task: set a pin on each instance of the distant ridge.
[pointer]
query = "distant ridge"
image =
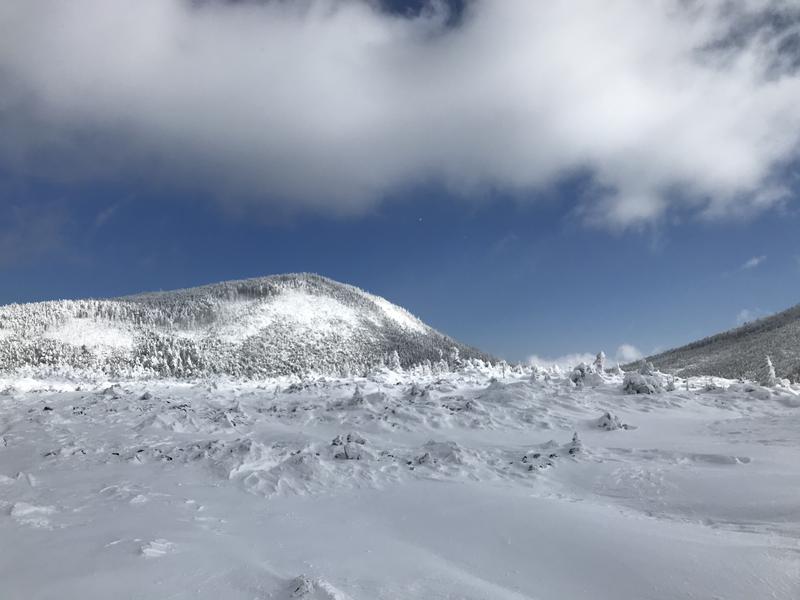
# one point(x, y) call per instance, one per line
point(741, 352)
point(268, 326)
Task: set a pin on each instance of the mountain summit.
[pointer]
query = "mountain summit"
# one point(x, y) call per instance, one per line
point(268, 326)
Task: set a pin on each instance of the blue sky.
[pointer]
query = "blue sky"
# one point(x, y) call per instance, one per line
point(524, 195)
point(515, 278)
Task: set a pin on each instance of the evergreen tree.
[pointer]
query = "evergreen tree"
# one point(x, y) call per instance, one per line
point(766, 376)
point(394, 361)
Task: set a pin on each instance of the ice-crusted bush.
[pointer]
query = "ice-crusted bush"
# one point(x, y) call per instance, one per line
point(584, 374)
point(579, 373)
point(645, 381)
point(610, 422)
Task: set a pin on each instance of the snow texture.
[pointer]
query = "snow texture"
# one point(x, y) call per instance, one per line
point(472, 483)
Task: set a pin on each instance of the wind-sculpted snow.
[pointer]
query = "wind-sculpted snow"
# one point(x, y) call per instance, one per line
point(254, 329)
point(741, 352)
point(481, 482)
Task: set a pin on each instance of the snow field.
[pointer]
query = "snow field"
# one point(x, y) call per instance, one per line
point(462, 485)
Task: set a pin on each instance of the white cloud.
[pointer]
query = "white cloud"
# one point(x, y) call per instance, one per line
point(327, 106)
point(628, 353)
point(567, 361)
point(746, 315)
point(754, 262)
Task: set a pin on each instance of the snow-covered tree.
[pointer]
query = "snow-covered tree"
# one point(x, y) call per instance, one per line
point(766, 375)
point(600, 362)
point(503, 368)
point(454, 357)
point(394, 361)
point(647, 368)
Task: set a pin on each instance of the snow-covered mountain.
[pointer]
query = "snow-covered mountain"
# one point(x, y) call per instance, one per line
point(741, 352)
point(278, 325)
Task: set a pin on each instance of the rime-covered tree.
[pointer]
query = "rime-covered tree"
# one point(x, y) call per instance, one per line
point(767, 376)
point(394, 361)
point(600, 362)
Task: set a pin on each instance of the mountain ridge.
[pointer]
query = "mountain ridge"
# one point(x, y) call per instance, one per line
point(741, 351)
point(298, 323)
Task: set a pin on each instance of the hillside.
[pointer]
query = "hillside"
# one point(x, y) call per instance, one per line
point(740, 352)
point(278, 325)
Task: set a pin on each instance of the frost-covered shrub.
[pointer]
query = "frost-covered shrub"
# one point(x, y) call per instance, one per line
point(583, 375)
point(349, 447)
point(579, 373)
point(610, 422)
point(645, 381)
point(636, 383)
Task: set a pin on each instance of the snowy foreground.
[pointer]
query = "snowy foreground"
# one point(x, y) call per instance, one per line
point(398, 486)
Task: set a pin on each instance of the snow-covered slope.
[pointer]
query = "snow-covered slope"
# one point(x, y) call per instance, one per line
point(741, 352)
point(268, 326)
